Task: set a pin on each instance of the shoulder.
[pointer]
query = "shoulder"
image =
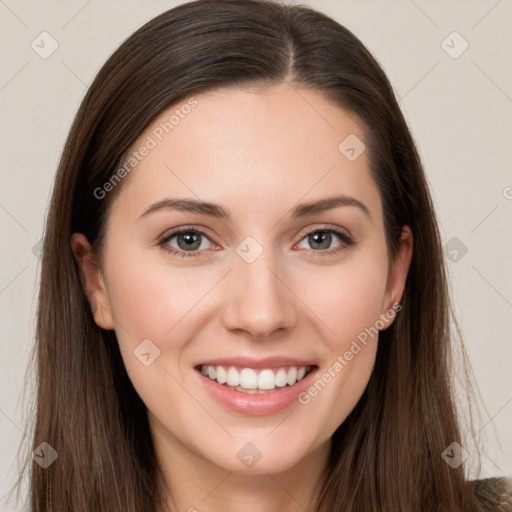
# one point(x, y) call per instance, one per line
point(495, 493)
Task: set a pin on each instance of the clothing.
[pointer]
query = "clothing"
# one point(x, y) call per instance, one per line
point(495, 493)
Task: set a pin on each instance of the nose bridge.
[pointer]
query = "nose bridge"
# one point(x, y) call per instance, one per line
point(258, 301)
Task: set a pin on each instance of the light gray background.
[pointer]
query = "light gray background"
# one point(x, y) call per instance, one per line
point(459, 110)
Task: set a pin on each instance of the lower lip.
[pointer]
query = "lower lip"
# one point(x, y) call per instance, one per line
point(256, 404)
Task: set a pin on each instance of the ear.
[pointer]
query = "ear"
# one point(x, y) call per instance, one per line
point(397, 275)
point(92, 281)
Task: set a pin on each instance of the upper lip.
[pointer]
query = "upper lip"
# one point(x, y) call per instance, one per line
point(267, 362)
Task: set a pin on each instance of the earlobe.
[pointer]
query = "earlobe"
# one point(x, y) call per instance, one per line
point(92, 281)
point(397, 276)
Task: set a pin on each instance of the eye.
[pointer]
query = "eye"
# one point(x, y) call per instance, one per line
point(186, 242)
point(189, 242)
point(320, 240)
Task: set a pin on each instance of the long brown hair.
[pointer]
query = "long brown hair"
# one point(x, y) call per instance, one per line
point(386, 456)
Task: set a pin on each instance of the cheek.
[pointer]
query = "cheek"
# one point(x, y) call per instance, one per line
point(153, 302)
point(149, 299)
point(348, 304)
point(347, 299)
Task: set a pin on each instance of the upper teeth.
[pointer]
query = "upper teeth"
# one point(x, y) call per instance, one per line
point(248, 378)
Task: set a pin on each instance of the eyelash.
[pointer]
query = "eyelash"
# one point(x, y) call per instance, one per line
point(346, 240)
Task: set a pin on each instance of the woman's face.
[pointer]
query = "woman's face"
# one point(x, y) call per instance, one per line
point(261, 280)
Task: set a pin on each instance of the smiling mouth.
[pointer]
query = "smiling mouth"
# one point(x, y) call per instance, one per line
point(255, 381)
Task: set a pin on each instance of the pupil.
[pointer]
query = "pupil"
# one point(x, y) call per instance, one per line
point(190, 239)
point(321, 237)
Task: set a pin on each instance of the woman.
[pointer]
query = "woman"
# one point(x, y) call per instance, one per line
point(243, 301)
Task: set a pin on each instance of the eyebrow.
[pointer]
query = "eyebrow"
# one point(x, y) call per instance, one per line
point(217, 211)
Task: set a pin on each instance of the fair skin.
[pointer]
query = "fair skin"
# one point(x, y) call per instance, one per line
point(258, 154)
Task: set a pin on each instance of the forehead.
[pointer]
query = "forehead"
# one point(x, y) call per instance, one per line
point(252, 149)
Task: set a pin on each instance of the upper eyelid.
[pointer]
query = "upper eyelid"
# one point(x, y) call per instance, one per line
point(185, 229)
point(326, 227)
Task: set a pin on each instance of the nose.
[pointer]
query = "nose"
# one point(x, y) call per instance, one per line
point(257, 299)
